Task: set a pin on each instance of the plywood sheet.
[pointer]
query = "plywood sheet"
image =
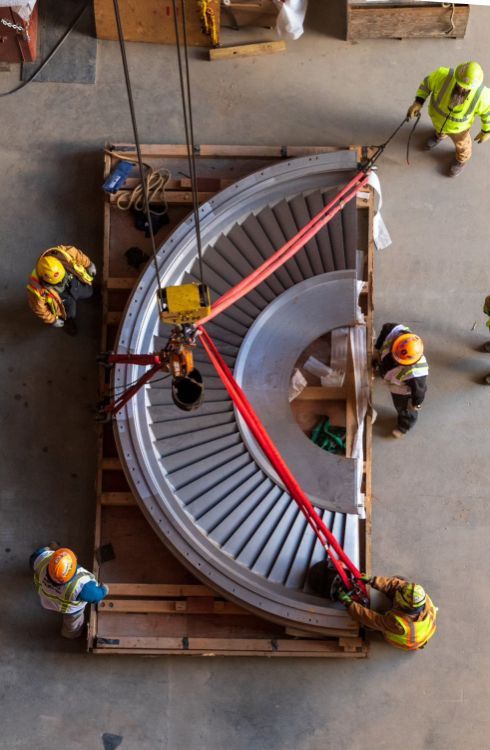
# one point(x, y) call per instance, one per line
point(151, 21)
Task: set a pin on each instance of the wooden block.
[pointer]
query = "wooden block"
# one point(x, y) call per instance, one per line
point(110, 463)
point(247, 50)
point(117, 498)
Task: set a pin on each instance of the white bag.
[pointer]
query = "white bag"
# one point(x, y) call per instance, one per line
point(291, 17)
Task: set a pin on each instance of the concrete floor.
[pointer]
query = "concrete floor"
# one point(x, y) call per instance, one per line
point(431, 491)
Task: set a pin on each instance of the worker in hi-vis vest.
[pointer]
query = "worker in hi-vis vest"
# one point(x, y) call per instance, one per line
point(486, 345)
point(456, 98)
point(62, 276)
point(411, 621)
point(399, 358)
point(65, 587)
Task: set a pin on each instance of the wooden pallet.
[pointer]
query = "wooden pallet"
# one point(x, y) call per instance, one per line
point(156, 606)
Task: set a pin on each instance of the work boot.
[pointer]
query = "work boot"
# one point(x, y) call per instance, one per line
point(456, 168)
point(398, 433)
point(432, 142)
point(70, 327)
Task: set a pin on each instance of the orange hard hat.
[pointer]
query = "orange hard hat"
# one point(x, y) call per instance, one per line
point(62, 565)
point(407, 349)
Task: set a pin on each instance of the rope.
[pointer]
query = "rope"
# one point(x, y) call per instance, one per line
point(342, 563)
point(144, 186)
point(290, 248)
point(156, 180)
point(451, 20)
point(185, 92)
point(417, 120)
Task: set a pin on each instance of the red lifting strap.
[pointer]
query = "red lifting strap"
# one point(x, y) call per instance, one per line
point(340, 560)
point(291, 247)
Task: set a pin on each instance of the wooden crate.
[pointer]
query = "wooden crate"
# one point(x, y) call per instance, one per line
point(156, 606)
point(151, 21)
point(399, 21)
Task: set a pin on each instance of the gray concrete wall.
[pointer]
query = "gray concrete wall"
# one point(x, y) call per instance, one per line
point(431, 490)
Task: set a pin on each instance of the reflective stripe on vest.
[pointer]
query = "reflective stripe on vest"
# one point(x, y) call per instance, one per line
point(442, 108)
point(79, 270)
point(416, 632)
point(419, 370)
point(63, 597)
point(46, 295)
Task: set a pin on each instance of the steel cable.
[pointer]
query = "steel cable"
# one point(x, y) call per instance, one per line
point(144, 184)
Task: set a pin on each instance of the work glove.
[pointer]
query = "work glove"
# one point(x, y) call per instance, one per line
point(58, 323)
point(482, 137)
point(414, 110)
point(365, 578)
point(345, 598)
point(92, 269)
point(105, 588)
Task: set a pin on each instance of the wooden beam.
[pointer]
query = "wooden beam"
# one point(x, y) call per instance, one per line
point(229, 646)
point(247, 50)
point(319, 393)
point(160, 589)
point(188, 606)
point(117, 498)
point(121, 282)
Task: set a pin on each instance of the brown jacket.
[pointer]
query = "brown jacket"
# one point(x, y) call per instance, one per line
point(49, 306)
point(386, 622)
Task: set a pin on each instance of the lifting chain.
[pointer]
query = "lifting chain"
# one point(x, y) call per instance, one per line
point(16, 27)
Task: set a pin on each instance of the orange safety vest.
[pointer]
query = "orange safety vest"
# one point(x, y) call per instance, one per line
point(49, 296)
point(416, 633)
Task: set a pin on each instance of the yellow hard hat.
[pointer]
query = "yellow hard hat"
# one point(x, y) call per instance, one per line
point(407, 349)
point(469, 75)
point(62, 565)
point(411, 596)
point(50, 269)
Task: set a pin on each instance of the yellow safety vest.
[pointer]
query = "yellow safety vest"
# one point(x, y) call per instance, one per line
point(62, 597)
point(439, 85)
point(416, 633)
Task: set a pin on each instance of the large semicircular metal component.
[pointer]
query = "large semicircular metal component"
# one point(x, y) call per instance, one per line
point(193, 474)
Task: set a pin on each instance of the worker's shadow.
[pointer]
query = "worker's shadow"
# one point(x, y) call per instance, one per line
point(40, 631)
point(442, 156)
point(385, 421)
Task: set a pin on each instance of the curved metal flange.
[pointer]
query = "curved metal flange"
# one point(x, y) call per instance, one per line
point(264, 367)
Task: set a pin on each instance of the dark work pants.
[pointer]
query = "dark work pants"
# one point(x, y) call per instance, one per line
point(74, 291)
point(406, 417)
